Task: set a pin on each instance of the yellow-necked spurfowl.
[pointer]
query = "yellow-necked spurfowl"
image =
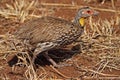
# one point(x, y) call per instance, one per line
point(48, 33)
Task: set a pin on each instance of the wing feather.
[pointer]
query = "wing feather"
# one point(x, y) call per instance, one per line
point(45, 29)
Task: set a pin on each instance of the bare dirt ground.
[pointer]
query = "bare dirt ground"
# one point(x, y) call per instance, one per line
point(99, 58)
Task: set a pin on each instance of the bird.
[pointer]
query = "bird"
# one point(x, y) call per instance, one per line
point(47, 33)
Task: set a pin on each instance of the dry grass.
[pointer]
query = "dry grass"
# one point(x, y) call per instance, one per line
point(19, 10)
point(100, 39)
point(103, 43)
point(101, 1)
point(5, 46)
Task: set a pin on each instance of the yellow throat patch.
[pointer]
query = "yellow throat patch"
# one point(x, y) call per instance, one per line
point(82, 21)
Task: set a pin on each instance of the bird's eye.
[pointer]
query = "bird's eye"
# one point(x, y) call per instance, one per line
point(89, 12)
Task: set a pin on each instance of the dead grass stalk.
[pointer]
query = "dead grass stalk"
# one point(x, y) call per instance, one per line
point(20, 10)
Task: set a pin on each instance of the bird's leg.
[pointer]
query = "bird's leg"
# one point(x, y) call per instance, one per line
point(50, 59)
point(53, 62)
point(103, 2)
point(43, 47)
point(36, 52)
point(45, 54)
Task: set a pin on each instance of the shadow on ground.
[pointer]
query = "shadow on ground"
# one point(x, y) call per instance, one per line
point(58, 55)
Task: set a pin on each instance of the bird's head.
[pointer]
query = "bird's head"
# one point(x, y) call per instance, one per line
point(84, 13)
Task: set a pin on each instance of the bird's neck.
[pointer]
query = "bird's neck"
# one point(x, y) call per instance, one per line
point(80, 21)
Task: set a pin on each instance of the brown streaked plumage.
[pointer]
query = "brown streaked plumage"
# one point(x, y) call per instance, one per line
point(49, 29)
point(48, 32)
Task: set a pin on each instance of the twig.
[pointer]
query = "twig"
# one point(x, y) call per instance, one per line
point(102, 74)
point(100, 78)
point(77, 7)
point(112, 67)
point(59, 72)
point(3, 52)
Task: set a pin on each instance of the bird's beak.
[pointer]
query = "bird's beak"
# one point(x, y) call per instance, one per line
point(95, 13)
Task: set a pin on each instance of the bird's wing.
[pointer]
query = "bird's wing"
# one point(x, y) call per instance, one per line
point(45, 29)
